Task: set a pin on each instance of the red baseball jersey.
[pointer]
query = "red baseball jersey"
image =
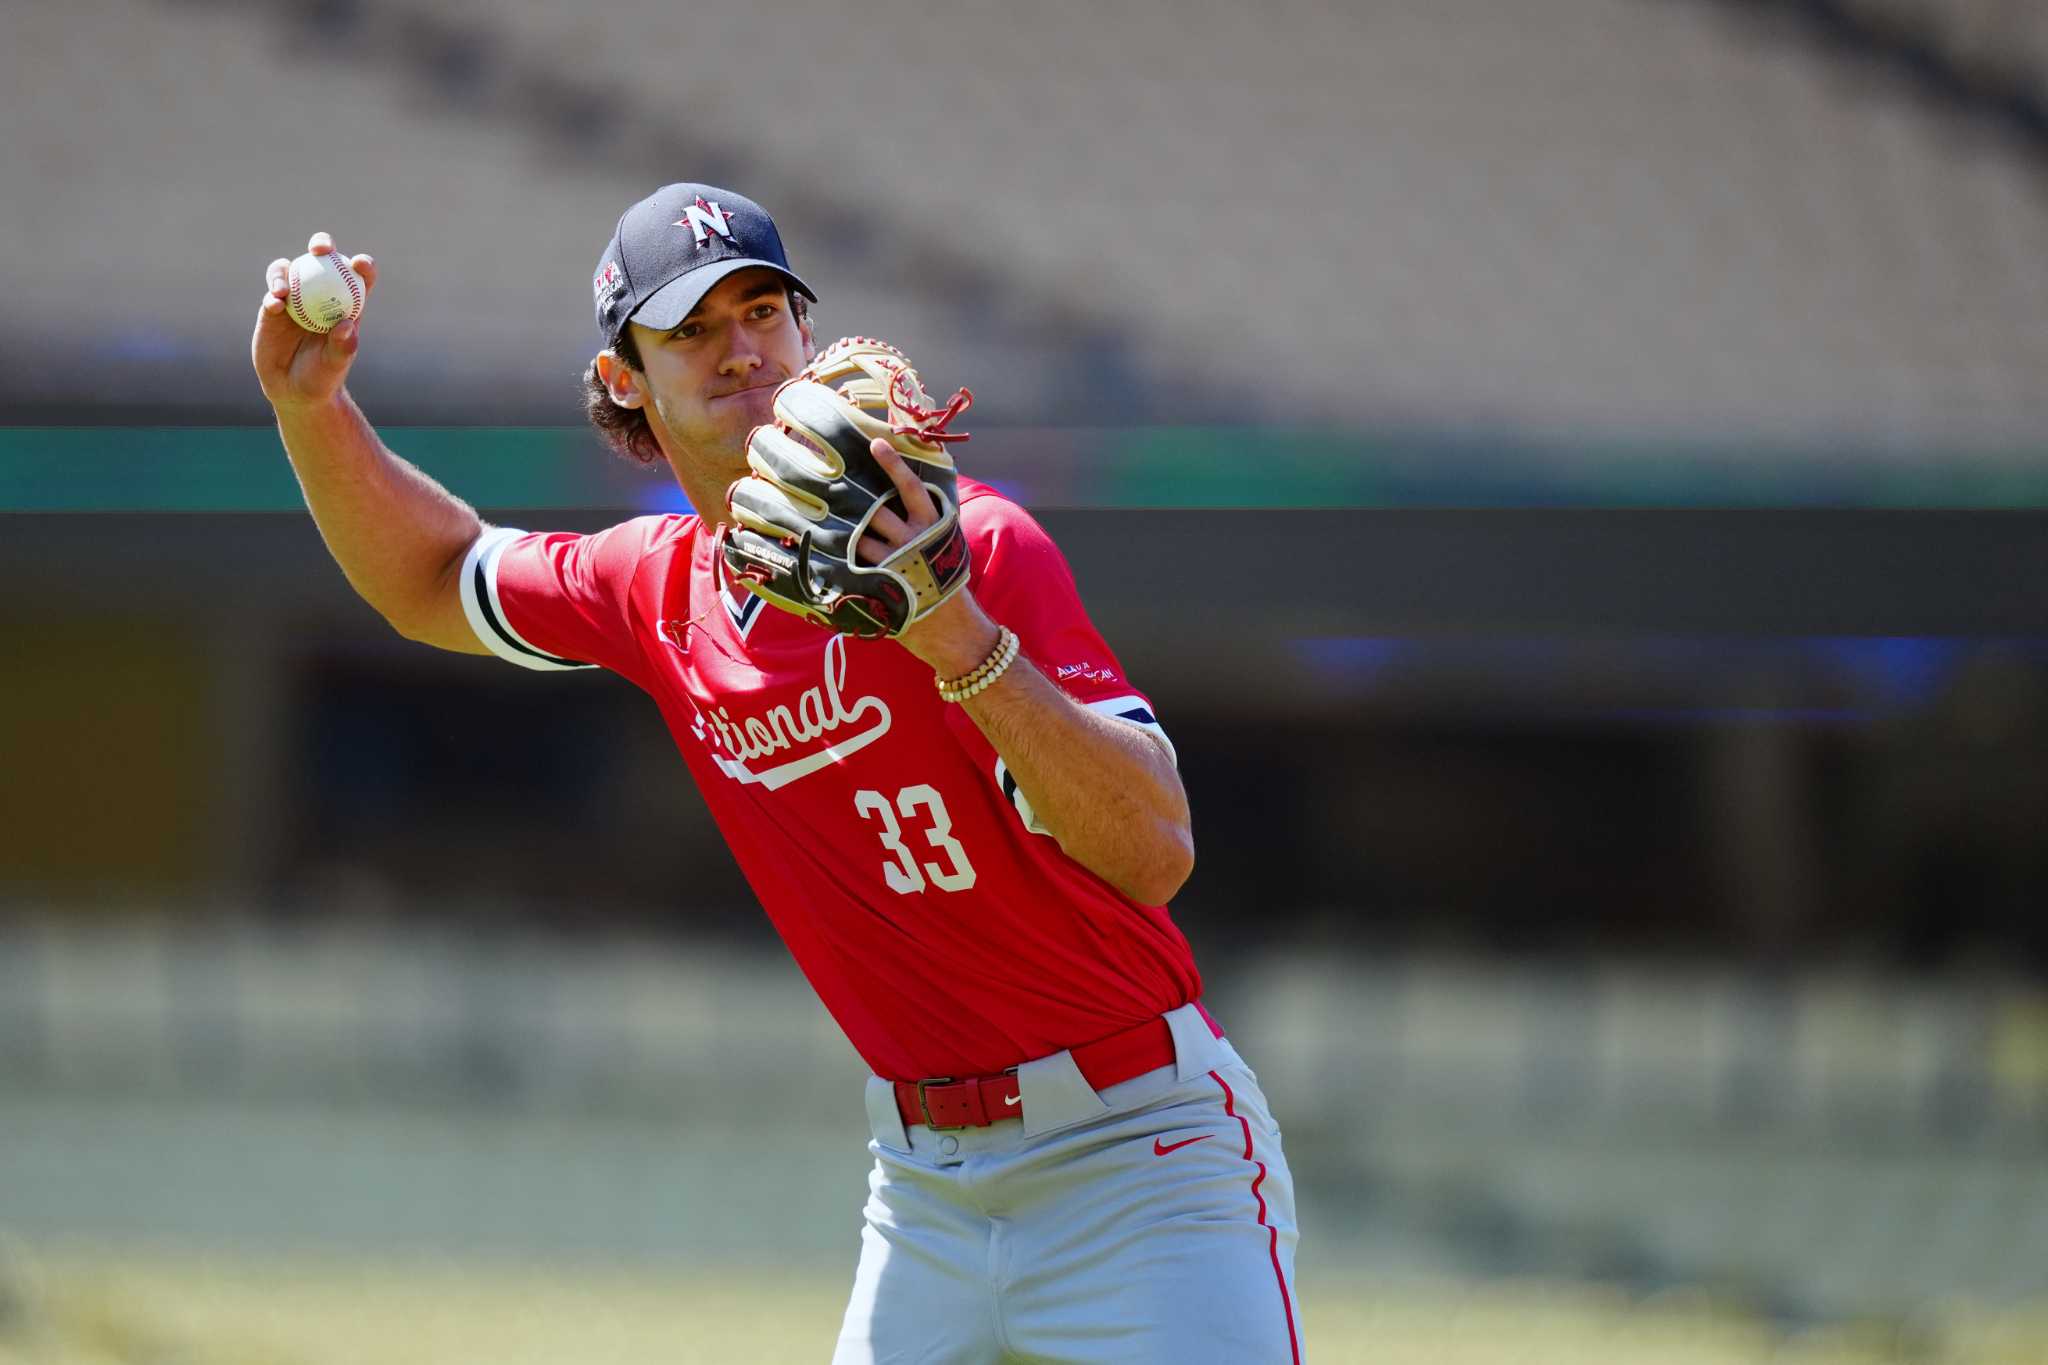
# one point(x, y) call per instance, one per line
point(943, 928)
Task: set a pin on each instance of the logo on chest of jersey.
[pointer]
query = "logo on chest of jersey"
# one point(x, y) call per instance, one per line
point(820, 729)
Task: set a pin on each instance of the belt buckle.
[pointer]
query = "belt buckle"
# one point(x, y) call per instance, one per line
point(925, 1108)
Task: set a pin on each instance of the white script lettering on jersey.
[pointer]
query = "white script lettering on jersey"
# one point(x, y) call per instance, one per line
point(820, 711)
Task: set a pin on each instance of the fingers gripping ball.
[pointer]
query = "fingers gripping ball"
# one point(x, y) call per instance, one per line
point(816, 487)
point(323, 292)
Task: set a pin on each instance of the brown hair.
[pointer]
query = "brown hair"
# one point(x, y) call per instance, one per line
point(626, 430)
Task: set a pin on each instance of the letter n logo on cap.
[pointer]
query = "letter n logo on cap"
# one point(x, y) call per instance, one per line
point(703, 219)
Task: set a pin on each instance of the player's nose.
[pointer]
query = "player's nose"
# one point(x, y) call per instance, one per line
point(742, 358)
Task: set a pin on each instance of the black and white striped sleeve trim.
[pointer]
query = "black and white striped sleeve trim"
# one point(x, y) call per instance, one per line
point(487, 616)
point(1131, 710)
point(1136, 711)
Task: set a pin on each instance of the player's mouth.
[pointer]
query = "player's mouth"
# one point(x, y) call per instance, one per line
point(751, 388)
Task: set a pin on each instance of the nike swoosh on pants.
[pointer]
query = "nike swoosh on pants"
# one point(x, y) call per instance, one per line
point(1161, 1149)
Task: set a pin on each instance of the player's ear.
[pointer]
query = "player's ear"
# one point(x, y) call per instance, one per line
point(621, 381)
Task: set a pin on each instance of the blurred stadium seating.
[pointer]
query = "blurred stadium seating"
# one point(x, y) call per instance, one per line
point(1823, 1145)
point(2005, 41)
point(1622, 217)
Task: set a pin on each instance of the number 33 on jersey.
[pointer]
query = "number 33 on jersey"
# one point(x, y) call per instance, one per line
point(905, 874)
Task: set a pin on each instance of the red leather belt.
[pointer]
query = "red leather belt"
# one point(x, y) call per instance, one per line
point(977, 1101)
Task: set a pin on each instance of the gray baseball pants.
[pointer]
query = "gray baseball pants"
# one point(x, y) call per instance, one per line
point(1152, 1222)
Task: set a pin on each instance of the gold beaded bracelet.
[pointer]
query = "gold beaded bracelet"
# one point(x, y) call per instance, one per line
point(995, 654)
point(987, 680)
point(999, 658)
point(984, 674)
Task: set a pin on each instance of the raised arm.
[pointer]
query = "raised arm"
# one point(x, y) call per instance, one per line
point(398, 536)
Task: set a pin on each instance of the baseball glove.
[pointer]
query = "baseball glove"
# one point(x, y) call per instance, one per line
point(816, 486)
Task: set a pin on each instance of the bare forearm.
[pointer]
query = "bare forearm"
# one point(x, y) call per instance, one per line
point(395, 532)
point(1106, 790)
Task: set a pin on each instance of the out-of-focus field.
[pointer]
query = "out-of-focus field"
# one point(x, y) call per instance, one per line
point(80, 1308)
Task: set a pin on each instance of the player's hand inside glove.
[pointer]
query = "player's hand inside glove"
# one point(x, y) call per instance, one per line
point(818, 491)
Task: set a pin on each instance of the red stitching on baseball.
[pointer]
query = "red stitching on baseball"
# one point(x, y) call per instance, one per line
point(348, 276)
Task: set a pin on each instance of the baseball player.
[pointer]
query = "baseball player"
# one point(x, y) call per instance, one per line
point(962, 818)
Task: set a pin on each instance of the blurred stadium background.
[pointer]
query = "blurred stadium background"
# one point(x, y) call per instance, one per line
point(1573, 477)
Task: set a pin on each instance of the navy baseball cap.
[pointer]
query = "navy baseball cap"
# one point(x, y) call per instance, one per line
point(673, 246)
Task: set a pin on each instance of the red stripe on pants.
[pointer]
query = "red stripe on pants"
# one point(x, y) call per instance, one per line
point(1272, 1233)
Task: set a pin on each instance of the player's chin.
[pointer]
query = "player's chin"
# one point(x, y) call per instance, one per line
point(735, 418)
point(727, 441)
point(749, 407)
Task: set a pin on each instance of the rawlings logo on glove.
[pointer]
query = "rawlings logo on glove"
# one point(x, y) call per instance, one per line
point(816, 486)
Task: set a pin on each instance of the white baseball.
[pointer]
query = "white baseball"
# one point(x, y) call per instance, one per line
point(324, 292)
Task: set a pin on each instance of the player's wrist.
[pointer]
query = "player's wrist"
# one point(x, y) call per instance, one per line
point(295, 410)
point(954, 638)
point(985, 674)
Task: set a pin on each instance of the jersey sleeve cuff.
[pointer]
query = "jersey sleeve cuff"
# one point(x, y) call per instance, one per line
point(1131, 710)
point(480, 603)
point(1136, 711)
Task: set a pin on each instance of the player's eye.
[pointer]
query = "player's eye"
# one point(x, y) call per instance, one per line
point(689, 331)
point(764, 311)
